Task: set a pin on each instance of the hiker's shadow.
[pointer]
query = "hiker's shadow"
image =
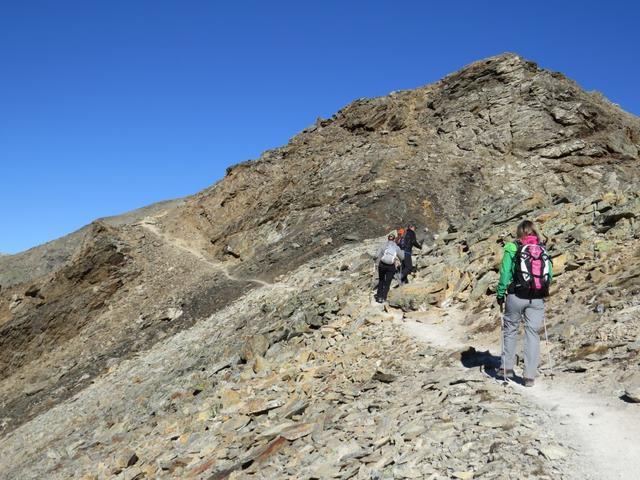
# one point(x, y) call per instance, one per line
point(472, 358)
point(486, 361)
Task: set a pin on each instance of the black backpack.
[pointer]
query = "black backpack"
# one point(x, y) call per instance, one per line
point(532, 271)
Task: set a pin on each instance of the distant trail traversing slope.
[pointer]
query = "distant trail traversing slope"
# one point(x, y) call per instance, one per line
point(602, 430)
point(151, 226)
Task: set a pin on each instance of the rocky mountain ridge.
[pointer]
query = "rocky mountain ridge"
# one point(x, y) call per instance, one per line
point(271, 262)
point(41, 260)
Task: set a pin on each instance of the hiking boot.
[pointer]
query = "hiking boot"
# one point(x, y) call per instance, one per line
point(529, 382)
point(379, 300)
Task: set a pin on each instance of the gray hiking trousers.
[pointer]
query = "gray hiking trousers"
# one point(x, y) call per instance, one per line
point(532, 312)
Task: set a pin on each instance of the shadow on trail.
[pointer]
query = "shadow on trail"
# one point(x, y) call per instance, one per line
point(472, 358)
point(487, 362)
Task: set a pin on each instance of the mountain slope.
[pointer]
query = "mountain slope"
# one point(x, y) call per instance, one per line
point(462, 157)
point(432, 154)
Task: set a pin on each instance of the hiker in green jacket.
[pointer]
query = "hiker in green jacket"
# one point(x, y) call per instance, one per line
point(525, 275)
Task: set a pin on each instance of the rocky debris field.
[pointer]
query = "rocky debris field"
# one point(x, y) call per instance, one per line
point(333, 390)
point(593, 315)
point(468, 147)
point(333, 386)
point(125, 290)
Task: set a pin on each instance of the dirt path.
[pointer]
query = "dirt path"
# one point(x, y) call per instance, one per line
point(602, 429)
point(151, 226)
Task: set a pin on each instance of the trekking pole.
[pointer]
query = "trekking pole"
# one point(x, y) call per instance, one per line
point(546, 338)
point(373, 275)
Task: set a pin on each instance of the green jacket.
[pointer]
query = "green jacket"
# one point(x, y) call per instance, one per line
point(507, 268)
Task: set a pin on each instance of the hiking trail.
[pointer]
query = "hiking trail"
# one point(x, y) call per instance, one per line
point(601, 430)
point(150, 225)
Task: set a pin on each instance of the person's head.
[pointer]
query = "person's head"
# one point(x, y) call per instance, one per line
point(391, 237)
point(412, 226)
point(526, 228)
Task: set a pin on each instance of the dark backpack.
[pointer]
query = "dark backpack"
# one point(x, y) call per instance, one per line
point(532, 271)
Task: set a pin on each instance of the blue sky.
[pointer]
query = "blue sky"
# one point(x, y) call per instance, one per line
point(107, 106)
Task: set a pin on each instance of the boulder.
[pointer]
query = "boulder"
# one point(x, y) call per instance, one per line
point(632, 388)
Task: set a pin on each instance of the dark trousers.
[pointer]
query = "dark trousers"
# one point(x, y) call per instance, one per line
point(385, 275)
point(407, 266)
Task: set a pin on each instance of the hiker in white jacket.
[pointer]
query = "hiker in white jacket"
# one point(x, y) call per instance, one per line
point(389, 259)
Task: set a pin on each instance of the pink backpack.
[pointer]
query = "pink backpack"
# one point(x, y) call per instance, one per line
point(532, 270)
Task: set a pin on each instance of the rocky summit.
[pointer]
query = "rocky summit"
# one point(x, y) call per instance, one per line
point(232, 334)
